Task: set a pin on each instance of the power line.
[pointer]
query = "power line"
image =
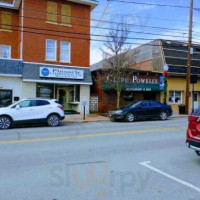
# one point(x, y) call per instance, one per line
point(82, 38)
point(111, 22)
point(76, 33)
point(105, 28)
point(153, 4)
point(138, 16)
point(100, 40)
point(101, 16)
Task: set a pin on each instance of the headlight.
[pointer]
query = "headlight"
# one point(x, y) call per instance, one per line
point(119, 112)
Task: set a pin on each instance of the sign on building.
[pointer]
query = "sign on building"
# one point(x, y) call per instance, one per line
point(50, 72)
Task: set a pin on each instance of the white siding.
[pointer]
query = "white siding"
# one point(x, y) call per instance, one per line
point(84, 96)
point(28, 90)
point(12, 83)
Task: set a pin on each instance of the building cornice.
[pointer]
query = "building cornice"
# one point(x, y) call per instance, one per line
point(16, 3)
point(92, 3)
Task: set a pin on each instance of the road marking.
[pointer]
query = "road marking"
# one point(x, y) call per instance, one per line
point(147, 164)
point(91, 135)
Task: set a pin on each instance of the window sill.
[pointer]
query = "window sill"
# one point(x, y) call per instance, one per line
point(5, 58)
point(51, 61)
point(68, 25)
point(6, 30)
point(65, 62)
point(49, 22)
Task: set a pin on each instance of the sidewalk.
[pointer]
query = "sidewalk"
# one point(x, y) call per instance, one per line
point(89, 118)
point(97, 118)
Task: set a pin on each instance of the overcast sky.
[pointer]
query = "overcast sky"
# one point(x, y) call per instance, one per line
point(171, 18)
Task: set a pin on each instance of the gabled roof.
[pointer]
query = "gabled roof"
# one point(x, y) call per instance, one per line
point(14, 4)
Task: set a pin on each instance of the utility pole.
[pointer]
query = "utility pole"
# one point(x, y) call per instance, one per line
point(187, 95)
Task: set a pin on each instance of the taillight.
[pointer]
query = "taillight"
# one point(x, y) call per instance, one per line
point(61, 107)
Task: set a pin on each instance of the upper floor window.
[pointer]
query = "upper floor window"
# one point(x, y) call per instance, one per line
point(65, 51)
point(66, 12)
point(5, 51)
point(51, 47)
point(5, 20)
point(52, 11)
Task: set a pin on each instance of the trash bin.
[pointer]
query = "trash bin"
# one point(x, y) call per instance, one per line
point(181, 109)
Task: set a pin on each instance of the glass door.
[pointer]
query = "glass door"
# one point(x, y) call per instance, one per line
point(62, 97)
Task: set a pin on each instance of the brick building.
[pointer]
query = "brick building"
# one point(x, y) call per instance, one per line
point(45, 51)
point(146, 82)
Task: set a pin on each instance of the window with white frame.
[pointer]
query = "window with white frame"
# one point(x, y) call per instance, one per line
point(175, 97)
point(65, 51)
point(5, 51)
point(51, 50)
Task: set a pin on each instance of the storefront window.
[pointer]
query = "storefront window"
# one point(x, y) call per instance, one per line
point(74, 93)
point(5, 98)
point(45, 91)
point(175, 97)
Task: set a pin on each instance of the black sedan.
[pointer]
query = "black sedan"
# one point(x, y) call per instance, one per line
point(142, 110)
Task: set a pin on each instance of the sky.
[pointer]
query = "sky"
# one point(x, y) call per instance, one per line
point(142, 15)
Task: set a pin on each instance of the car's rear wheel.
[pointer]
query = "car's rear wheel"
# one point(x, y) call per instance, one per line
point(163, 116)
point(5, 122)
point(130, 117)
point(53, 120)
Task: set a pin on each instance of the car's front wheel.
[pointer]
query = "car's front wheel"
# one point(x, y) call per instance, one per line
point(163, 116)
point(53, 120)
point(5, 122)
point(130, 117)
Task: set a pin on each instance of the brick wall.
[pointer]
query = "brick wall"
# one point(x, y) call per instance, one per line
point(144, 66)
point(34, 44)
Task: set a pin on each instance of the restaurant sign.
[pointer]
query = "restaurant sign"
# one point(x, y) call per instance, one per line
point(49, 72)
point(140, 83)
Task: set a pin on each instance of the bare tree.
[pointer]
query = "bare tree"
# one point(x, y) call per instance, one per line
point(117, 59)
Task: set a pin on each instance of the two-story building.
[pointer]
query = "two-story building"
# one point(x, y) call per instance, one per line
point(45, 51)
point(145, 77)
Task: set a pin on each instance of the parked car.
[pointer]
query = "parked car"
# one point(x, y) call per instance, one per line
point(193, 131)
point(32, 111)
point(142, 110)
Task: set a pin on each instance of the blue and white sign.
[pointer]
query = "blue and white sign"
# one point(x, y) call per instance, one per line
point(50, 72)
point(162, 79)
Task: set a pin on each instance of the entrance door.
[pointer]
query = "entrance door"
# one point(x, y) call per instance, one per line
point(195, 100)
point(62, 97)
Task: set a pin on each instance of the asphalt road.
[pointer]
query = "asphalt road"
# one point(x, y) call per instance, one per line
point(145, 160)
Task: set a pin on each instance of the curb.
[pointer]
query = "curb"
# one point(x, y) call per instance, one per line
point(84, 121)
point(104, 120)
point(181, 116)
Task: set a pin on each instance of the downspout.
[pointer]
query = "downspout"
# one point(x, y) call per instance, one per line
point(22, 32)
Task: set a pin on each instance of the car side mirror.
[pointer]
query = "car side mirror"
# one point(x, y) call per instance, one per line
point(17, 107)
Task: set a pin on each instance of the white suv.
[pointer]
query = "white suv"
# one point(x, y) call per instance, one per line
point(32, 111)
